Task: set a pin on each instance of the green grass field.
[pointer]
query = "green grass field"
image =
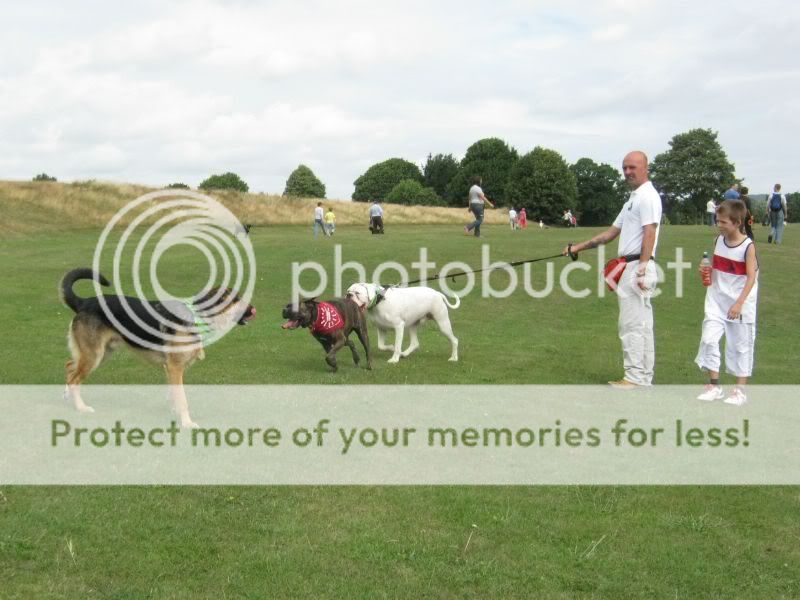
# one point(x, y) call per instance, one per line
point(562, 542)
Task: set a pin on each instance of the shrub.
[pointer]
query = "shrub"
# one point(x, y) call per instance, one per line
point(304, 184)
point(226, 181)
point(44, 177)
point(410, 191)
point(177, 186)
point(380, 178)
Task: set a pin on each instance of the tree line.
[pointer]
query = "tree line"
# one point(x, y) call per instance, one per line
point(694, 170)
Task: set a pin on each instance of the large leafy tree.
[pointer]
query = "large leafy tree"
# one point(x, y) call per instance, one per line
point(793, 205)
point(380, 178)
point(693, 171)
point(303, 183)
point(490, 158)
point(542, 182)
point(601, 192)
point(438, 171)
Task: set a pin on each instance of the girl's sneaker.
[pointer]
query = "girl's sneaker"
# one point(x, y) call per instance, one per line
point(737, 397)
point(712, 392)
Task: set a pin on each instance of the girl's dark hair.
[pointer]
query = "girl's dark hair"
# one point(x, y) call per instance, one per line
point(476, 180)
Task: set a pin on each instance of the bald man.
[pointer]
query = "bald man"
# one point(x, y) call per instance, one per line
point(637, 228)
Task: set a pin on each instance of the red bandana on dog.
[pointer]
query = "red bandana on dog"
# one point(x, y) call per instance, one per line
point(328, 319)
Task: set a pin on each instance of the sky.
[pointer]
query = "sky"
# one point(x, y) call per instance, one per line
point(172, 91)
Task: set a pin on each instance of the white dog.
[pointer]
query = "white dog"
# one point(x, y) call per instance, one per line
point(398, 308)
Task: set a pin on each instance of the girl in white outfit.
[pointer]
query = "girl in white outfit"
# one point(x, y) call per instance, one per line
point(730, 307)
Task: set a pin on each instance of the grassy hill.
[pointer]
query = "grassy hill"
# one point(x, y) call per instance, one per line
point(29, 207)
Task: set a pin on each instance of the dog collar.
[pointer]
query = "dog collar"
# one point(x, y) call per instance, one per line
point(377, 298)
point(202, 328)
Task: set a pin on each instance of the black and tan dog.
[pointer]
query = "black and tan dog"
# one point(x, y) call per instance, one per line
point(93, 334)
point(331, 323)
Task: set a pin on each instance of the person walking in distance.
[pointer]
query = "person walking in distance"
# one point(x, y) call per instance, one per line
point(513, 219)
point(637, 227)
point(732, 193)
point(330, 222)
point(523, 218)
point(476, 205)
point(711, 211)
point(319, 213)
point(376, 218)
point(776, 208)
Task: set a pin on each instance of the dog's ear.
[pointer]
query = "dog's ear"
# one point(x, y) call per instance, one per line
point(307, 300)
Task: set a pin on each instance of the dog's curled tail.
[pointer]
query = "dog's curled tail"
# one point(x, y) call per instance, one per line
point(69, 297)
point(453, 306)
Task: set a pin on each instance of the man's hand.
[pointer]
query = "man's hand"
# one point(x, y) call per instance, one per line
point(571, 248)
point(641, 271)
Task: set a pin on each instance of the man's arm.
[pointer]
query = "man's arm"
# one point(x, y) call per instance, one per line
point(646, 253)
point(648, 243)
point(608, 235)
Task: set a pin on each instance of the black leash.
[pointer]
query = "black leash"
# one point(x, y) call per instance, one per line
point(516, 263)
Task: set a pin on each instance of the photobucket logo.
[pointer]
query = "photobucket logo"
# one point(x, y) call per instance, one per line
point(424, 271)
point(160, 221)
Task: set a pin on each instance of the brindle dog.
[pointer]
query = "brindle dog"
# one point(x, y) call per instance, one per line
point(307, 314)
point(93, 335)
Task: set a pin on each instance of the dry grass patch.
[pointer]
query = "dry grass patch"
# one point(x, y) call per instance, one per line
point(30, 207)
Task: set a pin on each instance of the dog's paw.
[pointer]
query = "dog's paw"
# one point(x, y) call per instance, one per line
point(394, 359)
point(84, 408)
point(453, 359)
point(189, 424)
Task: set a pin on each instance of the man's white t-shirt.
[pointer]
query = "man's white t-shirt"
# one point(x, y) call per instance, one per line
point(512, 214)
point(318, 213)
point(642, 208)
point(711, 207)
point(375, 210)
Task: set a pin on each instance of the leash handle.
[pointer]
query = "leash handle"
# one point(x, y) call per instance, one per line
point(572, 255)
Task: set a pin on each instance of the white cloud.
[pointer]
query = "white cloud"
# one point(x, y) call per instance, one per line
point(611, 33)
point(175, 91)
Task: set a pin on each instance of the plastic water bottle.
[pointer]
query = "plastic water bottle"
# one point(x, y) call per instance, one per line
point(705, 269)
